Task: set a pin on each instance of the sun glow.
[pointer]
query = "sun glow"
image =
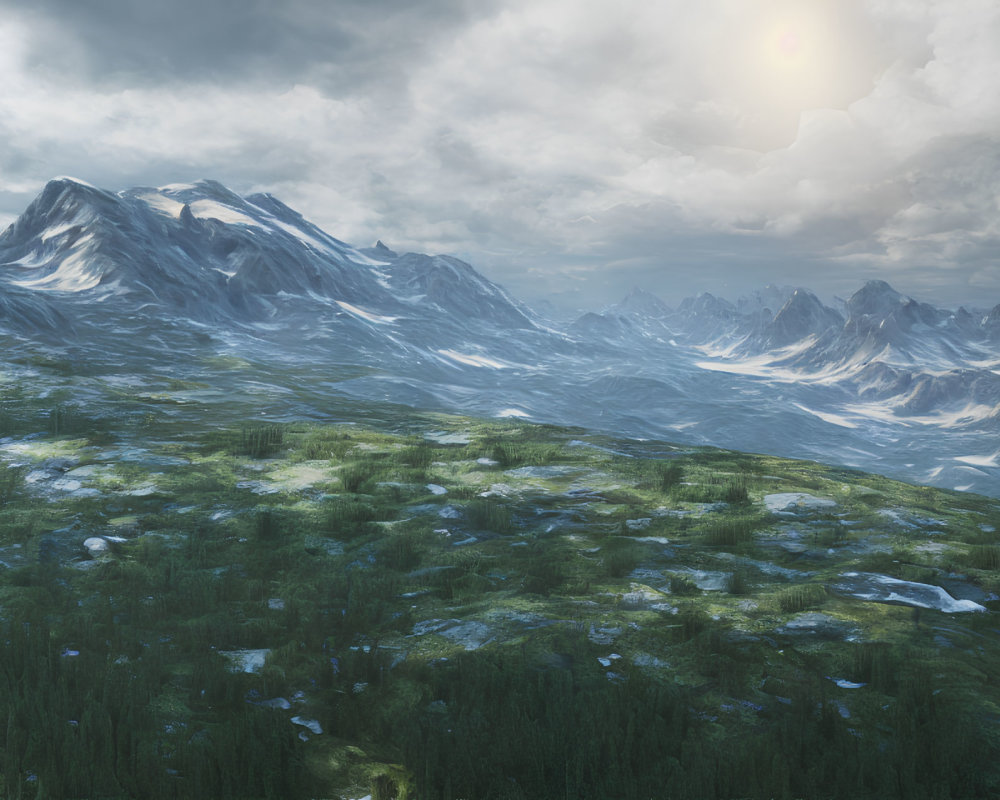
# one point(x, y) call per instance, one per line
point(790, 57)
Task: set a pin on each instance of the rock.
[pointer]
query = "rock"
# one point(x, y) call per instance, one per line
point(312, 724)
point(470, 634)
point(815, 625)
point(706, 580)
point(883, 589)
point(603, 635)
point(246, 660)
point(96, 546)
point(790, 502)
point(545, 472)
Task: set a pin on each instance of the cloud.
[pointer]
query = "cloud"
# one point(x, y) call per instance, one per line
point(561, 146)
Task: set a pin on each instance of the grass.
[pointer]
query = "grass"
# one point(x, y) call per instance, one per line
point(403, 617)
point(801, 598)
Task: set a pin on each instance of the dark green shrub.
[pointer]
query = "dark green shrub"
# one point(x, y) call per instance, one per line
point(738, 583)
point(668, 475)
point(349, 518)
point(733, 532)
point(801, 598)
point(985, 556)
point(489, 514)
point(515, 454)
point(736, 491)
point(621, 556)
point(355, 475)
point(874, 663)
point(419, 456)
point(401, 552)
point(683, 586)
point(11, 481)
point(260, 441)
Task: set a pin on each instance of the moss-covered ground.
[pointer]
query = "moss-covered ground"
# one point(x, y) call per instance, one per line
point(480, 609)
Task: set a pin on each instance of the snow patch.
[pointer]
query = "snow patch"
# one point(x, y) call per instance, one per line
point(980, 461)
point(474, 360)
point(76, 273)
point(210, 209)
point(163, 204)
point(826, 416)
point(512, 412)
point(366, 315)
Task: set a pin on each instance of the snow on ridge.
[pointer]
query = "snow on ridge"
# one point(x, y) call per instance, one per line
point(507, 413)
point(826, 416)
point(322, 242)
point(79, 181)
point(163, 204)
point(76, 273)
point(967, 415)
point(58, 230)
point(212, 209)
point(980, 461)
point(366, 315)
point(474, 360)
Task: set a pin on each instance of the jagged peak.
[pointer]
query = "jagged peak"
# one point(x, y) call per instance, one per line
point(207, 188)
point(642, 302)
point(876, 296)
point(802, 298)
point(69, 179)
point(268, 202)
point(705, 302)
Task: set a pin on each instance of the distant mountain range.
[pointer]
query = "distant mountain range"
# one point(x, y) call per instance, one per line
point(171, 279)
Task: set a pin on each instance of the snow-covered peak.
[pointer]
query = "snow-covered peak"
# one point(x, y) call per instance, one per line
point(875, 298)
point(380, 251)
point(641, 303)
point(801, 316)
point(204, 189)
point(770, 298)
point(69, 179)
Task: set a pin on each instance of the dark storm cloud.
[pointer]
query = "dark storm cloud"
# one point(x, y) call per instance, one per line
point(343, 45)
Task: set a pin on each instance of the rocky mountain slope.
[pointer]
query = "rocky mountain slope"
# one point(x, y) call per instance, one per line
point(179, 276)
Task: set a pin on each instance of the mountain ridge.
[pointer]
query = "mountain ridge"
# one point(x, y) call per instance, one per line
point(884, 382)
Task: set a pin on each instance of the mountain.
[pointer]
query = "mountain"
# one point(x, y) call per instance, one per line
point(194, 249)
point(802, 316)
point(191, 279)
point(640, 303)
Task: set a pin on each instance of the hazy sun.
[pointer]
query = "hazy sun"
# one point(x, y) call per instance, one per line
point(790, 56)
point(788, 43)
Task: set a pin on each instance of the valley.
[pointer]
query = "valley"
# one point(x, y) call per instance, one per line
point(191, 272)
point(281, 517)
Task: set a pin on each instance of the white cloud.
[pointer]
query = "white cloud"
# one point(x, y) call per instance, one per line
point(852, 134)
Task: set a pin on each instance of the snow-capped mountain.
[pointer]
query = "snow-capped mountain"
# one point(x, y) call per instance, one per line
point(172, 278)
point(199, 249)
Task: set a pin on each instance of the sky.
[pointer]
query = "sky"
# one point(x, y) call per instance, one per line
point(568, 149)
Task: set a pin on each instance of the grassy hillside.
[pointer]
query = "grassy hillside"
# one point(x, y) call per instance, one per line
point(470, 609)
